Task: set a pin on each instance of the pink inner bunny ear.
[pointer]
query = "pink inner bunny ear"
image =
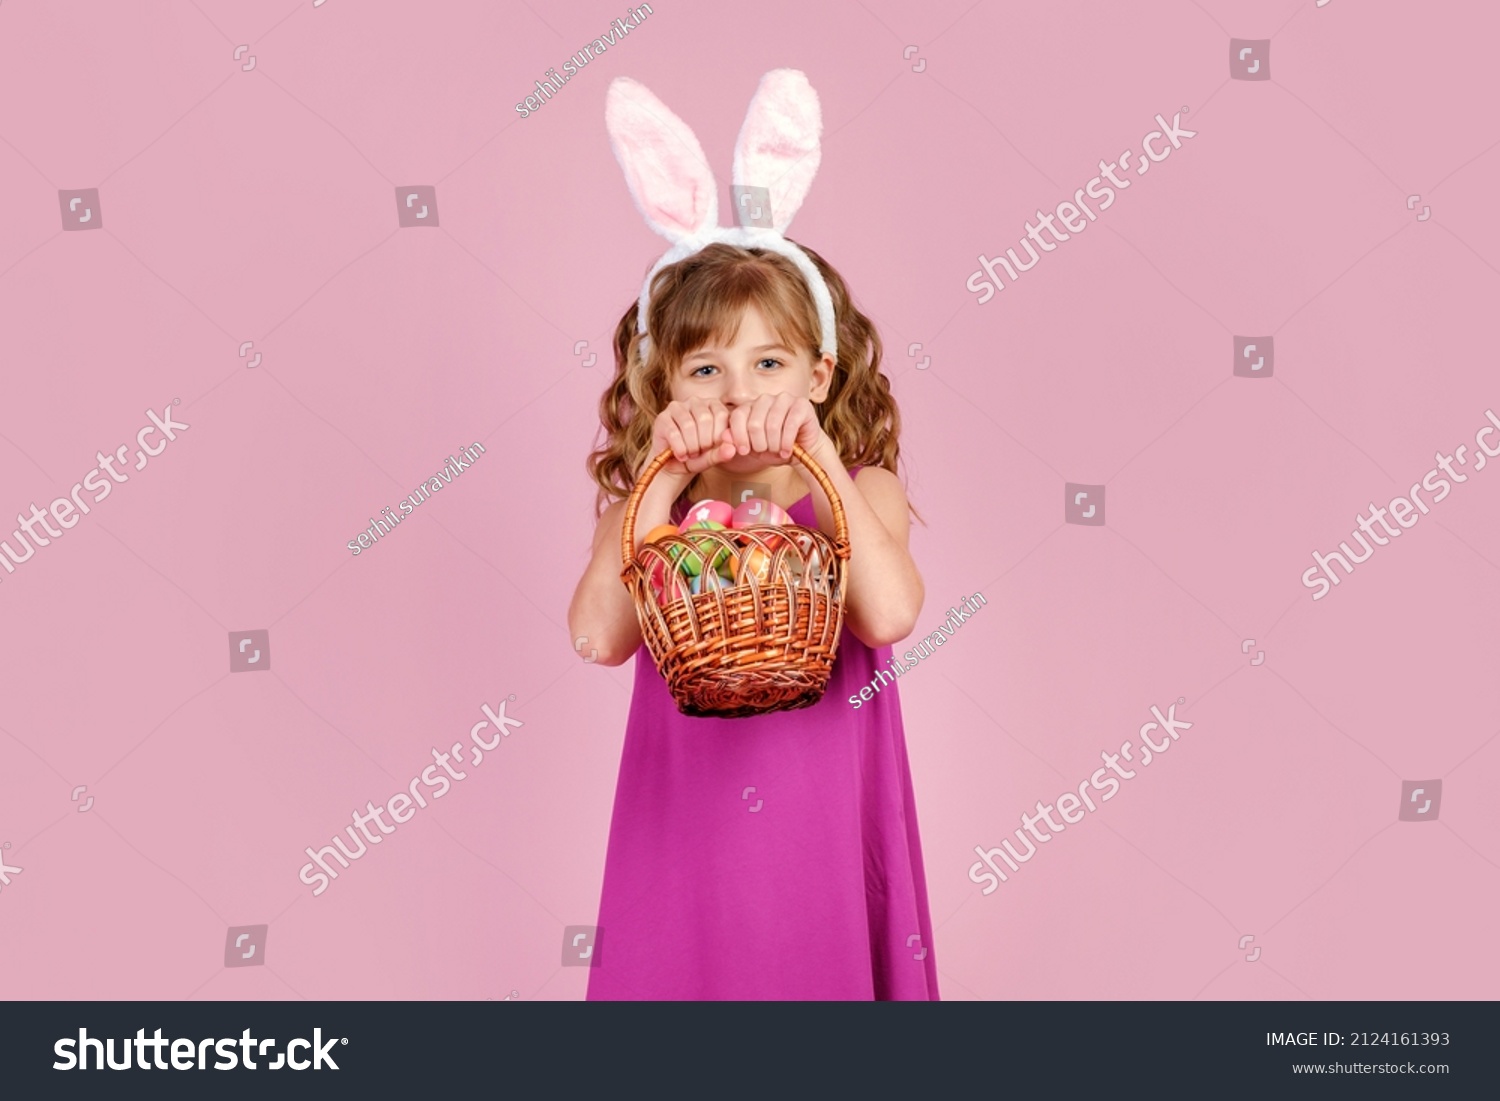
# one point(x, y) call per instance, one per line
point(778, 146)
point(664, 165)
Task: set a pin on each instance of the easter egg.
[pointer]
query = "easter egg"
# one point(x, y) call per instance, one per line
point(692, 560)
point(812, 572)
point(706, 582)
point(727, 567)
point(757, 565)
point(757, 510)
point(675, 587)
point(656, 569)
point(656, 575)
point(688, 562)
point(806, 544)
point(720, 512)
point(692, 523)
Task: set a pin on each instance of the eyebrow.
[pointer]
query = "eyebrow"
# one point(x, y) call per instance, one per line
point(762, 348)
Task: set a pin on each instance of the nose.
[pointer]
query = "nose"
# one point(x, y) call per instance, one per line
point(737, 391)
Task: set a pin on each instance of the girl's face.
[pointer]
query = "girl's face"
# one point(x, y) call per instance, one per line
point(755, 363)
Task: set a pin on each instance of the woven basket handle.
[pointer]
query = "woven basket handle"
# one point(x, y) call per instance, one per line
point(627, 531)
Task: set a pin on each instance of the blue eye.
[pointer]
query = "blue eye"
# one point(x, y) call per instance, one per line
point(710, 367)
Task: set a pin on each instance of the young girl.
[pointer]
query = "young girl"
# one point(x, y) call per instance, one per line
point(774, 856)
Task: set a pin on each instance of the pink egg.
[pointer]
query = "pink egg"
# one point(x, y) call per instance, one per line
point(757, 510)
point(667, 581)
point(656, 574)
point(720, 512)
point(675, 588)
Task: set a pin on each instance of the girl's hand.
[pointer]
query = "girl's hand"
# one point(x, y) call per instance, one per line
point(695, 431)
point(767, 427)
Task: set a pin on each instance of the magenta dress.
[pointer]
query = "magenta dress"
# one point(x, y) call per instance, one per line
point(773, 857)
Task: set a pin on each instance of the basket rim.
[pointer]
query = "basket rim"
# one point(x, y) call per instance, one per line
point(632, 504)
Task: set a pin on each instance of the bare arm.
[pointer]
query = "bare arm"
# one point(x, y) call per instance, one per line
point(884, 591)
point(602, 612)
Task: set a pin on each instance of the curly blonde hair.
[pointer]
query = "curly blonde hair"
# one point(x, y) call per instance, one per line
point(701, 299)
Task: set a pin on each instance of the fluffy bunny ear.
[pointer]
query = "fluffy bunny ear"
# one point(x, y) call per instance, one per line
point(778, 145)
point(664, 165)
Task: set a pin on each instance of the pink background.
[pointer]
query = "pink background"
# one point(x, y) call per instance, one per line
point(260, 205)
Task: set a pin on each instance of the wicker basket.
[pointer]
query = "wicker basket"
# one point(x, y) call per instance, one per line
point(766, 642)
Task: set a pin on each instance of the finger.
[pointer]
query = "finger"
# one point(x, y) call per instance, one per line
point(674, 439)
point(703, 422)
point(776, 418)
point(687, 431)
point(791, 425)
point(721, 422)
point(711, 455)
point(756, 423)
point(705, 457)
point(737, 433)
point(687, 423)
point(791, 428)
point(703, 418)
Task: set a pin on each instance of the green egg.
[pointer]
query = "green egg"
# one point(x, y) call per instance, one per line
point(692, 560)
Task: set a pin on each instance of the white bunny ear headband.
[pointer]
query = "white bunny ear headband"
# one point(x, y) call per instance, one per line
point(671, 183)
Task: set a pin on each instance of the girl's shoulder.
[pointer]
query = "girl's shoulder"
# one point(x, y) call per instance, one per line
point(607, 527)
point(887, 496)
point(877, 478)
